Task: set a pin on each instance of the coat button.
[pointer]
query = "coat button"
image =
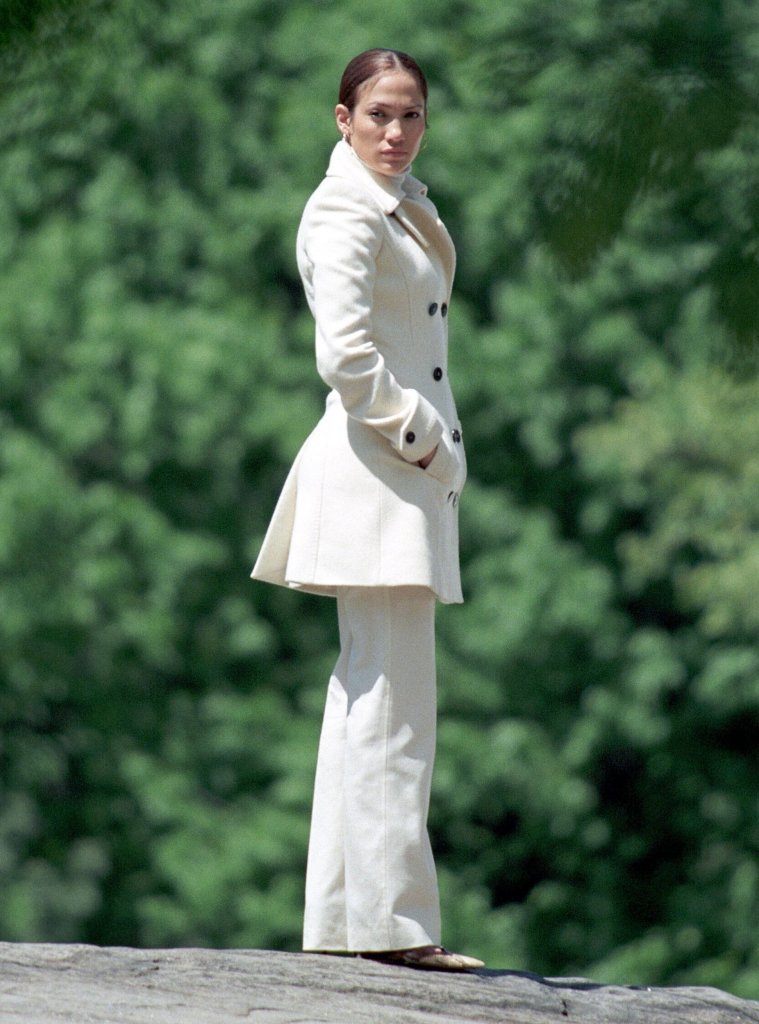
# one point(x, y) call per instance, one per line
point(437, 373)
point(432, 308)
point(455, 434)
point(444, 309)
point(410, 437)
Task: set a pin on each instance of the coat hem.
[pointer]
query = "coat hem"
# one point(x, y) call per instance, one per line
point(331, 589)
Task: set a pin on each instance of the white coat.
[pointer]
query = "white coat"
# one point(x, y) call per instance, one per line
point(356, 510)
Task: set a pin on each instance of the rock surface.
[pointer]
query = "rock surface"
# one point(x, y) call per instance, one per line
point(49, 984)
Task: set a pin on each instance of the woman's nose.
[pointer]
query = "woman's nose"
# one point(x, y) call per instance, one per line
point(395, 129)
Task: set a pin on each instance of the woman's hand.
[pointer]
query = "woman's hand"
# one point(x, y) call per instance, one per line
point(427, 459)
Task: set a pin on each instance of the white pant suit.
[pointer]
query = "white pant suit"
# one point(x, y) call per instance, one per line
point(371, 883)
point(358, 519)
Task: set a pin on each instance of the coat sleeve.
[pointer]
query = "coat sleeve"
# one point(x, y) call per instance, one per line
point(339, 239)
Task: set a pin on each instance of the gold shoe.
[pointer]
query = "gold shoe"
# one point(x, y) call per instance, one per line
point(430, 958)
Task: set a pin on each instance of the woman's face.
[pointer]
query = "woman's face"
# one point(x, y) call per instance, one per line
point(387, 123)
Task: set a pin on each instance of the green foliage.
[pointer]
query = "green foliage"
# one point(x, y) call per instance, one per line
point(21, 20)
point(595, 805)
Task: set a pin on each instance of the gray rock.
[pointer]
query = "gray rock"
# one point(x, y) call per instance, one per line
point(49, 984)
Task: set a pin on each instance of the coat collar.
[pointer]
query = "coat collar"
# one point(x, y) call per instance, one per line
point(418, 218)
point(388, 192)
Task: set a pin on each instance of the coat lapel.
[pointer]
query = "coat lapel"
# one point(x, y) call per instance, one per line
point(405, 199)
point(428, 230)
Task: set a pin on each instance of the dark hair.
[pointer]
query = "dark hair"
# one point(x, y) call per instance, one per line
point(372, 62)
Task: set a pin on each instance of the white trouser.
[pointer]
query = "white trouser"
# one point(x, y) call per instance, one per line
point(370, 882)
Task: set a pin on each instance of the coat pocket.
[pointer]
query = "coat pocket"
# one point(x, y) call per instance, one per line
point(449, 464)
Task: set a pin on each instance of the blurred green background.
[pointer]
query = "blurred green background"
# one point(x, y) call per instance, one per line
point(596, 798)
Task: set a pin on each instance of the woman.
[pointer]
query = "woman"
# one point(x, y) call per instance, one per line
point(368, 514)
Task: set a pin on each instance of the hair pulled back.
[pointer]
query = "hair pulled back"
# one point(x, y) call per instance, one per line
point(373, 62)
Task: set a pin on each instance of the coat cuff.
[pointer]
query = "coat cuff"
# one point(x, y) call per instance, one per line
point(420, 433)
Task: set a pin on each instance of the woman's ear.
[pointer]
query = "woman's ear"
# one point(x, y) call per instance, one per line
point(343, 119)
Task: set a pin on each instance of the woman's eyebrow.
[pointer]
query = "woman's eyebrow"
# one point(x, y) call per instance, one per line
point(390, 103)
